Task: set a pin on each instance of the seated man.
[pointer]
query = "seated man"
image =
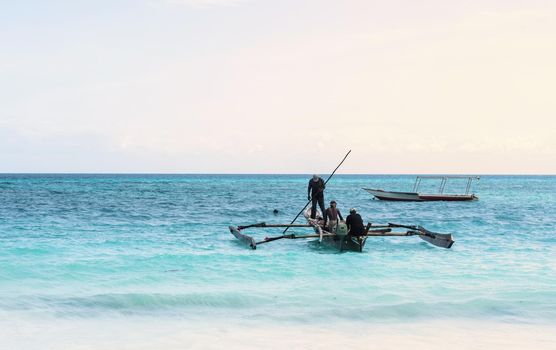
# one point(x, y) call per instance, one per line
point(354, 223)
point(331, 216)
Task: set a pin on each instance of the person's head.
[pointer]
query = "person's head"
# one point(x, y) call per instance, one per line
point(352, 211)
point(315, 177)
point(333, 204)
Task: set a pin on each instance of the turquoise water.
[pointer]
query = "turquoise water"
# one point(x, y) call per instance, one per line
point(98, 246)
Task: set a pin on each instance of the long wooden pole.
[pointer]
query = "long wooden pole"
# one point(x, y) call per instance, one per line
point(347, 154)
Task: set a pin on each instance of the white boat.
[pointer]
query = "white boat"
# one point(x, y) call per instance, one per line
point(415, 196)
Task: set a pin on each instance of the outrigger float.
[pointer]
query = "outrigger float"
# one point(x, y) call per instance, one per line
point(340, 237)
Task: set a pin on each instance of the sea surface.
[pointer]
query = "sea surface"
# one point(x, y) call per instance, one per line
point(106, 250)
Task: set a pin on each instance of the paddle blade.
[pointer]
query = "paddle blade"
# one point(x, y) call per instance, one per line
point(443, 240)
point(243, 238)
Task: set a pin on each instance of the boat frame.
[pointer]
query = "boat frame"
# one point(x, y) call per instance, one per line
point(343, 243)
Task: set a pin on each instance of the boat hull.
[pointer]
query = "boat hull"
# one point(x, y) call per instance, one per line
point(417, 197)
point(346, 243)
point(394, 196)
point(342, 243)
point(448, 197)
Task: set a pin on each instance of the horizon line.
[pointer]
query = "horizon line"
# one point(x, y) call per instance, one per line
point(309, 174)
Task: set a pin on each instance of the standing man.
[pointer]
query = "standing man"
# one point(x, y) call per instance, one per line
point(354, 223)
point(315, 193)
point(331, 216)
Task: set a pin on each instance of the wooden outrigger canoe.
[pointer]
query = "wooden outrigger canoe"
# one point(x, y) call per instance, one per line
point(344, 242)
point(341, 239)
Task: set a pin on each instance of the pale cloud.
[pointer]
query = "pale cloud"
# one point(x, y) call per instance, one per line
point(207, 3)
point(470, 94)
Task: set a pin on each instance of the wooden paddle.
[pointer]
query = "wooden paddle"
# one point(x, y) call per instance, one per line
point(301, 211)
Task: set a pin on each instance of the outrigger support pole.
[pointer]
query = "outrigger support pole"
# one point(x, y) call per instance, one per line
point(438, 239)
point(292, 236)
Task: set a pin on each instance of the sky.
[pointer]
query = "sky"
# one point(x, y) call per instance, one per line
point(278, 86)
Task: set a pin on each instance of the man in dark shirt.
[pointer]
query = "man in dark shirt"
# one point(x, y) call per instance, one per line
point(315, 193)
point(354, 223)
point(331, 216)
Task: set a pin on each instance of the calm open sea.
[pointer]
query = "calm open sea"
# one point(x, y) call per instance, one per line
point(81, 248)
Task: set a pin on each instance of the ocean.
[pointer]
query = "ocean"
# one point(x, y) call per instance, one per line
point(147, 261)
